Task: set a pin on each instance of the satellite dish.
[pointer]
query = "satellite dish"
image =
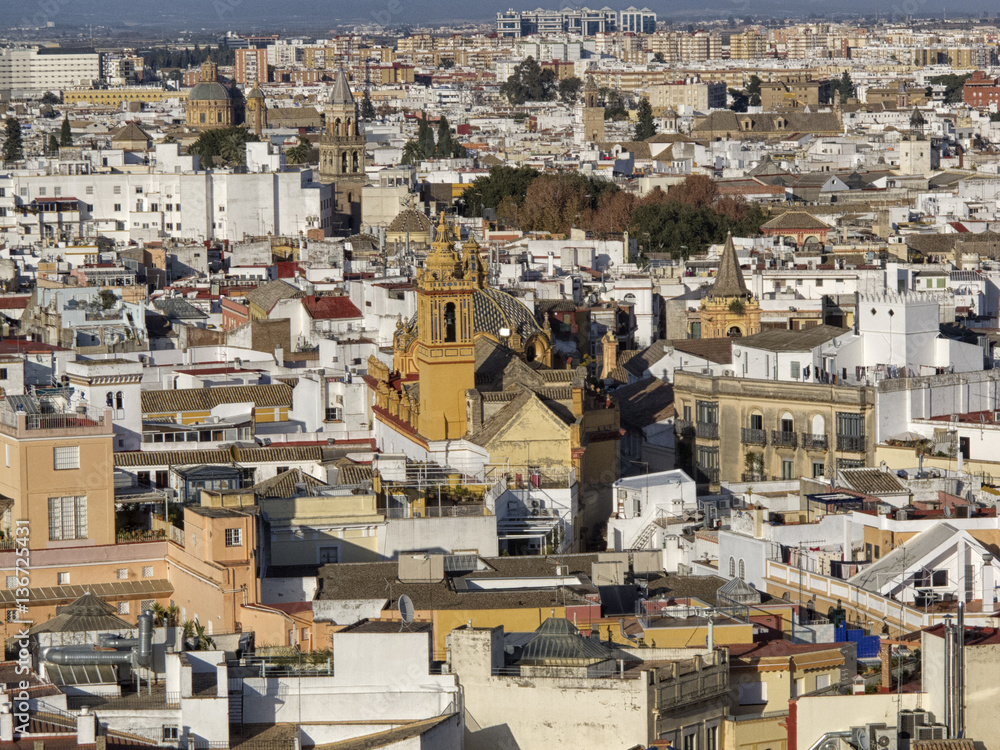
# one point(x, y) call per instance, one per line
point(862, 739)
point(406, 611)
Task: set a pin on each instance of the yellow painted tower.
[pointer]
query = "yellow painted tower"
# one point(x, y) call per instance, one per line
point(729, 309)
point(445, 354)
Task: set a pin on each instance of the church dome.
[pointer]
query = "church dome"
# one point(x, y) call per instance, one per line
point(494, 311)
point(210, 91)
point(410, 220)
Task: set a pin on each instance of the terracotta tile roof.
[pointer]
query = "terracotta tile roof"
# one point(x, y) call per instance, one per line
point(645, 402)
point(330, 308)
point(204, 399)
point(266, 296)
point(719, 351)
point(271, 454)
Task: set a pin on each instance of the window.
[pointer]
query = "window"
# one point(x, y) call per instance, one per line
point(688, 742)
point(799, 688)
point(822, 681)
point(11, 615)
point(63, 578)
point(450, 333)
point(117, 190)
point(329, 555)
point(787, 468)
point(819, 469)
point(138, 190)
point(708, 412)
point(931, 578)
point(795, 371)
point(122, 574)
point(147, 571)
point(118, 207)
point(743, 570)
point(123, 608)
point(170, 733)
point(41, 191)
point(146, 605)
point(234, 537)
point(67, 518)
point(711, 738)
point(687, 412)
point(732, 567)
point(89, 190)
point(819, 282)
point(66, 457)
point(756, 421)
point(753, 693)
point(3, 373)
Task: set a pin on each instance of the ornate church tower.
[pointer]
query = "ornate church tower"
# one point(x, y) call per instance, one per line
point(445, 355)
point(593, 114)
point(342, 150)
point(256, 109)
point(729, 309)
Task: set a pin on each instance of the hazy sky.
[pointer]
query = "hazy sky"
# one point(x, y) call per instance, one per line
point(320, 14)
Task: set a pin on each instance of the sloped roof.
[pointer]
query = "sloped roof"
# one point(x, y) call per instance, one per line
point(341, 93)
point(266, 296)
point(286, 483)
point(645, 402)
point(204, 399)
point(795, 220)
point(131, 132)
point(729, 281)
point(558, 642)
point(410, 220)
point(906, 557)
point(719, 351)
point(330, 308)
point(783, 340)
point(507, 414)
point(178, 308)
point(87, 613)
point(870, 481)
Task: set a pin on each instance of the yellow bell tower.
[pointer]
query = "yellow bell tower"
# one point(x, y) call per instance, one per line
point(445, 355)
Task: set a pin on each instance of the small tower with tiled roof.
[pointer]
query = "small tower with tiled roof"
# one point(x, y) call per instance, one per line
point(729, 308)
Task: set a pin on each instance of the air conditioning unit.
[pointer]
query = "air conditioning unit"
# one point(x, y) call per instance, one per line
point(931, 732)
point(535, 504)
point(883, 738)
point(562, 570)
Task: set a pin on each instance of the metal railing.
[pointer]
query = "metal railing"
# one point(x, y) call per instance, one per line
point(752, 476)
point(787, 439)
point(61, 421)
point(683, 427)
point(141, 535)
point(707, 430)
point(814, 442)
point(708, 475)
point(753, 436)
point(851, 443)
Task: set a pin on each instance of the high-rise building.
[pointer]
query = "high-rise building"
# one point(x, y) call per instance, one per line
point(30, 72)
point(584, 21)
point(639, 21)
point(251, 66)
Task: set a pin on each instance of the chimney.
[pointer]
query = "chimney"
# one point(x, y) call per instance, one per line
point(551, 269)
point(989, 583)
point(86, 727)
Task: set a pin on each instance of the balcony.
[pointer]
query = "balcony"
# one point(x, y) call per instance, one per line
point(851, 443)
point(708, 475)
point(813, 442)
point(784, 439)
point(707, 430)
point(753, 436)
point(753, 476)
point(683, 428)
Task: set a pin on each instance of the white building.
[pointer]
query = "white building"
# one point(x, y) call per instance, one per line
point(30, 72)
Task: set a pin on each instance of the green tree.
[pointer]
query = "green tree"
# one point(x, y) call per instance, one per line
point(165, 616)
point(425, 137)
point(753, 90)
point(412, 153)
point(13, 148)
point(49, 98)
point(446, 63)
point(658, 57)
point(52, 147)
point(569, 89)
point(367, 108)
point(196, 638)
point(226, 143)
point(740, 100)
point(529, 82)
point(300, 152)
point(846, 87)
point(502, 183)
point(644, 125)
point(953, 86)
point(66, 133)
point(447, 145)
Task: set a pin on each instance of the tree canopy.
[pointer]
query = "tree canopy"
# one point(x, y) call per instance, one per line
point(569, 89)
point(226, 143)
point(846, 87)
point(502, 182)
point(13, 148)
point(65, 133)
point(529, 82)
point(645, 127)
point(954, 85)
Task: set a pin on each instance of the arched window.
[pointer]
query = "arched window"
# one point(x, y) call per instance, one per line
point(734, 332)
point(119, 400)
point(449, 322)
point(336, 126)
point(343, 163)
point(743, 571)
point(787, 424)
point(110, 399)
point(732, 567)
point(818, 425)
point(354, 161)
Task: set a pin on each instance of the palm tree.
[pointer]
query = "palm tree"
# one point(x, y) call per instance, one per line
point(412, 153)
point(165, 616)
point(233, 148)
point(196, 638)
point(299, 153)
